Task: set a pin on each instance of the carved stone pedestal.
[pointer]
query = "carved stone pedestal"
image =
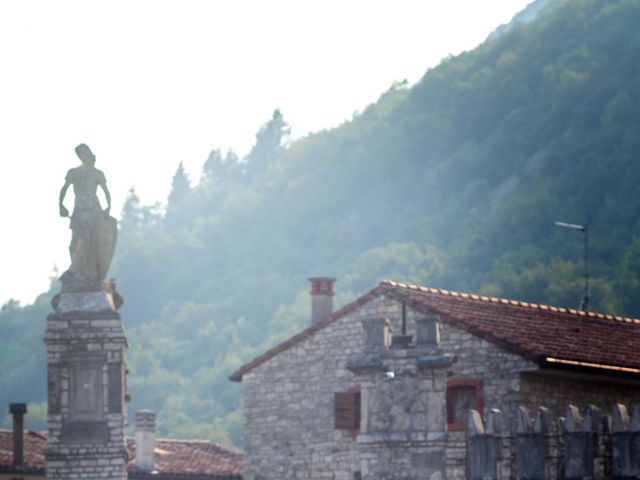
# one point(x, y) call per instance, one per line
point(403, 387)
point(86, 356)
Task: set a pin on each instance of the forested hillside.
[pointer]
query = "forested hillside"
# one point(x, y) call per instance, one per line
point(454, 182)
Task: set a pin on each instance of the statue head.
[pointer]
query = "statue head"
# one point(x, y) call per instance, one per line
point(85, 154)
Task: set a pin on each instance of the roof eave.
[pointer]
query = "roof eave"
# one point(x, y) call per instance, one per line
point(237, 375)
point(590, 367)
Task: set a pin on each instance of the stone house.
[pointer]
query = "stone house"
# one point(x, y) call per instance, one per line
point(381, 388)
point(22, 455)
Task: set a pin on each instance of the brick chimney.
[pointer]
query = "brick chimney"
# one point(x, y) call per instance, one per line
point(321, 298)
point(145, 439)
point(18, 410)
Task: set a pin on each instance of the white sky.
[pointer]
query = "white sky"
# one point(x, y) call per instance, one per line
point(150, 83)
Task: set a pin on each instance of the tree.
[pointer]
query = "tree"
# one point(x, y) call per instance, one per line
point(270, 140)
point(131, 208)
point(180, 187)
point(629, 284)
point(213, 167)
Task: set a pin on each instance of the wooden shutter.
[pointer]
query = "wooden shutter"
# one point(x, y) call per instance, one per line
point(347, 410)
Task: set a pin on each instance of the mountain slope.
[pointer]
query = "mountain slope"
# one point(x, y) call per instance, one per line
point(454, 182)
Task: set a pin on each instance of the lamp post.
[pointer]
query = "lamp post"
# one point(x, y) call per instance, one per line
point(584, 304)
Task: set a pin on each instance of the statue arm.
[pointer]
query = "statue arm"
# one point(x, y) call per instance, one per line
point(107, 195)
point(63, 191)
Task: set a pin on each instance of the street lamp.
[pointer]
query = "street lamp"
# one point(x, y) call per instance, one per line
point(584, 304)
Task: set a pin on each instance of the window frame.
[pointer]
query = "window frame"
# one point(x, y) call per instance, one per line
point(356, 393)
point(452, 383)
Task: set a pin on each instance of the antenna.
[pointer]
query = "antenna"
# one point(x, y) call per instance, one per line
point(584, 304)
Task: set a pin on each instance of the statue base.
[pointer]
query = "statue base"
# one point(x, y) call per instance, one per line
point(98, 297)
point(86, 383)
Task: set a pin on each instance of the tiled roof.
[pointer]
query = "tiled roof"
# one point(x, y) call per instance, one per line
point(173, 458)
point(237, 375)
point(531, 330)
point(34, 444)
point(191, 458)
point(528, 329)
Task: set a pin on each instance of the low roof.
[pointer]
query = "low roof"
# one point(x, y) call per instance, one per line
point(33, 451)
point(543, 334)
point(190, 458)
point(173, 458)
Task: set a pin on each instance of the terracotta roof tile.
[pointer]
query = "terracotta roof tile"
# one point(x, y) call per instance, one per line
point(34, 443)
point(179, 458)
point(531, 330)
point(237, 375)
point(190, 458)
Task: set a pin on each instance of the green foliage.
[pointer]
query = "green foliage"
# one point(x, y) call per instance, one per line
point(397, 260)
point(177, 204)
point(35, 419)
point(454, 182)
point(22, 356)
point(629, 281)
point(270, 140)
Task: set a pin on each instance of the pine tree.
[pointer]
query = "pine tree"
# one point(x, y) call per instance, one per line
point(131, 205)
point(180, 186)
point(270, 140)
point(213, 167)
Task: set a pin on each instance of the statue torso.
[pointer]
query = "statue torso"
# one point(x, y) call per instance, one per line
point(85, 181)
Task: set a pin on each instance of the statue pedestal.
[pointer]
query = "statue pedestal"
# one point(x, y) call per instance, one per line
point(86, 351)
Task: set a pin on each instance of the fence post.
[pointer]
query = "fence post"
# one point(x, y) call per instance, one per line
point(607, 447)
point(532, 445)
point(580, 442)
point(626, 442)
point(484, 446)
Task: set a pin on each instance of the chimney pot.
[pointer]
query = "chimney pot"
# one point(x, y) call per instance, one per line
point(145, 439)
point(18, 410)
point(321, 298)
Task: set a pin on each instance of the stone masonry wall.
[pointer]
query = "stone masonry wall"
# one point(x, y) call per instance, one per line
point(289, 406)
point(289, 399)
point(499, 371)
point(555, 392)
point(510, 381)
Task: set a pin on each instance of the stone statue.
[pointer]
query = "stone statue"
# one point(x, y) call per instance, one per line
point(93, 230)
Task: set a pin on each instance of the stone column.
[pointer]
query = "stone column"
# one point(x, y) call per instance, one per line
point(86, 354)
point(403, 405)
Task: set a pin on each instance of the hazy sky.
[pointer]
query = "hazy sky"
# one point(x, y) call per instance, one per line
point(150, 83)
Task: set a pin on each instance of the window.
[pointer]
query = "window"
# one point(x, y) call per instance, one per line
point(347, 409)
point(463, 394)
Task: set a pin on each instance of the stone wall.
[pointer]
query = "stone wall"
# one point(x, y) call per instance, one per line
point(510, 381)
point(289, 405)
point(289, 400)
point(555, 392)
